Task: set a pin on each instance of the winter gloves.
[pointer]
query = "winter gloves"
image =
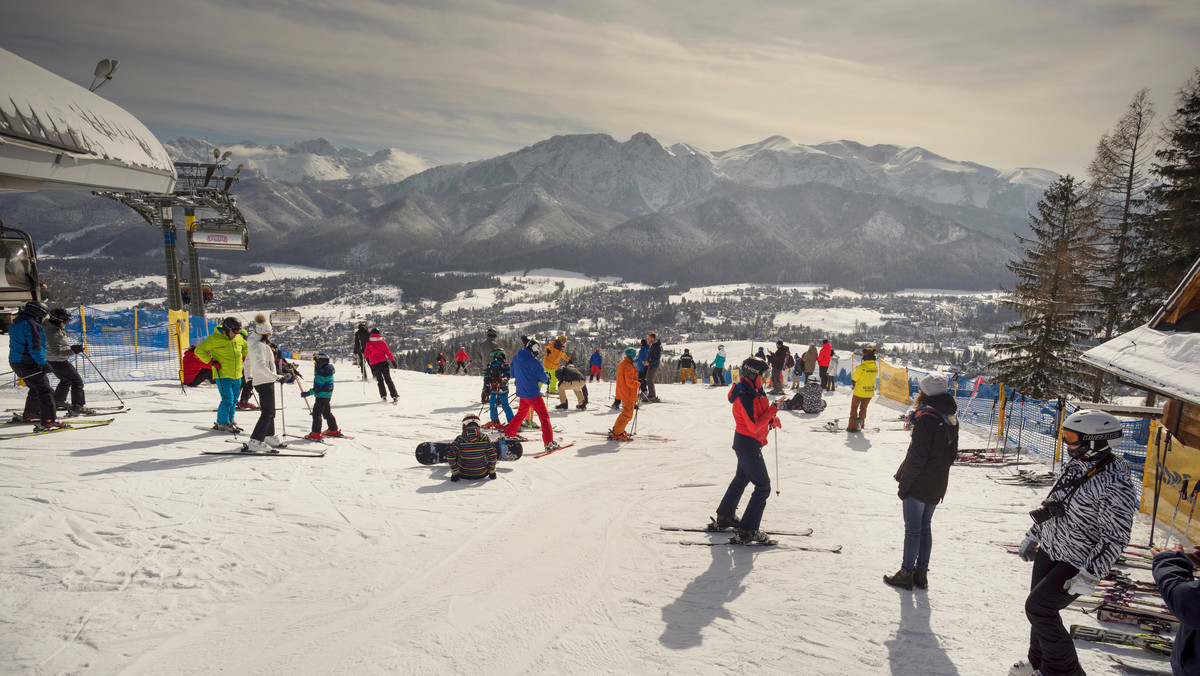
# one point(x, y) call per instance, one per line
point(1028, 548)
point(774, 424)
point(77, 349)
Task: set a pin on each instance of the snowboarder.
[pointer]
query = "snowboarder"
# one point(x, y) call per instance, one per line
point(195, 369)
point(823, 360)
point(322, 392)
point(361, 336)
point(687, 367)
point(808, 399)
point(864, 388)
point(1175, 575)
point(1079, 531)
point(58, 353)
point(653, 360)
point(27, 357)
point(627, 394)
point(718, 367)
point(461, 359)
point(381, 361)
point(571, 380)
point(225, 349)
point(496, 377)
point(261, 368)
point(471, 454)
point(754, 416)
point(597, 362)
point(923, 477)
point(529, 375)
point(553, 358)
point(778, 358)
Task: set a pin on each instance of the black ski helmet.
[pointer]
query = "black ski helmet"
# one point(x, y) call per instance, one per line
point(60, 315)
point(232, 324)
point(320, 359)
point(38, 308)
point(753, 367)
point(491, 333)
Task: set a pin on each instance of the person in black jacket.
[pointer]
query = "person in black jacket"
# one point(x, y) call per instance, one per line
point(1174, 573)
point(361, 336)
point(777, 358)
point(923, 477)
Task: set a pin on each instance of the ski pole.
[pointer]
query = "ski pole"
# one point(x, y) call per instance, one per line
point(992, 421)
point(301, 387)
point(776, 461)
point(282, 414)
point(1160, 456)
point(1182, 496)
point(1021, 429)
point(636, 408)
point(1188, 527)
point(89, 359)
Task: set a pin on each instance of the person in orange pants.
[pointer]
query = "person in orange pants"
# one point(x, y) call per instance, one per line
point(627, 394)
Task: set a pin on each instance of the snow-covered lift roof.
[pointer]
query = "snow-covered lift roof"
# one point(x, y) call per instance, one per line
point(56, 134)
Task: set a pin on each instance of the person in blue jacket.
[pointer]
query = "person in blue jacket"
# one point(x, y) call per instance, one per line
point(1174, 572)
point(529, 374)
point(653, 361)
point(27, 357)
point(597, 362)
point(643, 359)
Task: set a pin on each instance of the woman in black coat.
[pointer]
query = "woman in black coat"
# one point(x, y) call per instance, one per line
point(923, 477)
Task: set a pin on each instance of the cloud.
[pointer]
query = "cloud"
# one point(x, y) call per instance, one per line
point(1005, 84)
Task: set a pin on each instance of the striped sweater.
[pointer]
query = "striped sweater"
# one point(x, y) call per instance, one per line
point(323, 382)
point(471, 455)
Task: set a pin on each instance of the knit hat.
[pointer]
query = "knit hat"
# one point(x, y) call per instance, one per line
point(932, 385)
point(630, 352)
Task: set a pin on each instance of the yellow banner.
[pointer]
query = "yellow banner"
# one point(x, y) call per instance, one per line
point(893, 383)
point(1176, 463)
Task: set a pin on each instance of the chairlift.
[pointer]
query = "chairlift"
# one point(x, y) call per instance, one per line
point(285, 318)
point(185, 292)
point(19, 284)
point(220, 234)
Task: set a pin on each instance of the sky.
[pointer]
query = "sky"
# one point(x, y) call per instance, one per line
point(1004, 84)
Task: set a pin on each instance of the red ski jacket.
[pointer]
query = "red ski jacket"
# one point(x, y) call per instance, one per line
point(825, 354)
point(752, 413)
point(377, 350)
point(193, 365)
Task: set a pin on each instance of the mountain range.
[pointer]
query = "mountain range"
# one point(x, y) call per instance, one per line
point(871, 217)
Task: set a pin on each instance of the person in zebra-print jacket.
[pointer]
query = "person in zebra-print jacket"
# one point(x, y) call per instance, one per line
point(1079, 531)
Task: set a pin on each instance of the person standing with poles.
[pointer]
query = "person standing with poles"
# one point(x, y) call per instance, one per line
point(261, 370)
point(530, 375)
point(754, 417)
point(627, 394)
point(27, 358)
point(225, 349)
point(58, 354)
point(361, 336)
point(1079, 531)
point(718, 367)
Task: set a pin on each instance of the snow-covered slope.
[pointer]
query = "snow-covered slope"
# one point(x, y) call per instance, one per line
point(124, 550)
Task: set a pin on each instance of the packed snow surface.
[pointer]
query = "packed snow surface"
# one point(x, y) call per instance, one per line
point(125, 550)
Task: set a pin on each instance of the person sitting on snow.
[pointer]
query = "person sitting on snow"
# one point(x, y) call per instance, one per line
point(809, 399)
point(471, 455)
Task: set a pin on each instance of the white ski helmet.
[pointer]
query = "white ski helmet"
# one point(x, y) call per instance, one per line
point(1086, 432)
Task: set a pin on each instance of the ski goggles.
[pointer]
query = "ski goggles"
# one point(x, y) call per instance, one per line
point(1072, 438)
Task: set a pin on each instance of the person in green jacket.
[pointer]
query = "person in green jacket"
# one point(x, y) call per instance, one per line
point(225, 349)
point(864, 389)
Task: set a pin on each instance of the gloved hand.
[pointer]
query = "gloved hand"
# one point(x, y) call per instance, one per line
point(285, 378)
point(306, 394)
point(392, 363)
point(1081, 585)
point(774, 424)
point(1028, 549)
point(216, 365)
point(454, 477)
point(492, 475)
point(46, 368)
point(77, 349)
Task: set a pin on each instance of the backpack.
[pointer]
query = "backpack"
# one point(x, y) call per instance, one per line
point(788, 362)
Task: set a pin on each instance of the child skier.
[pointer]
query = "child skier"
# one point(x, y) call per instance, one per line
point(322, 391)
point(381, 360)
point(496, 377)
point(27, 357)
point(754, 416)
point(58, 352)
point(471, 454)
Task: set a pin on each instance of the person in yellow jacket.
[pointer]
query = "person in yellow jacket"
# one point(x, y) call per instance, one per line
point(864, 389)
point(554, 358)
point(225, 349)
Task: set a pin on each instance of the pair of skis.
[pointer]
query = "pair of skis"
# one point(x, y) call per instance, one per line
point(74, 425)
point(712, 528)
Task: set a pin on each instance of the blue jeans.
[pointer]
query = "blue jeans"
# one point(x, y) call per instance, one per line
point(918, 536)
point(229, 388)
point(751, 468)
point(501, 399)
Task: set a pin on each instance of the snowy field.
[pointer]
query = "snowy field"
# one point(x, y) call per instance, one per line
point(125, 550)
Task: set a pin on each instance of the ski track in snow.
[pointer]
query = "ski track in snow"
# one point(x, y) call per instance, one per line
point(123, 550)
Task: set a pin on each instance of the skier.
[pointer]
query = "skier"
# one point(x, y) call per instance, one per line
point(529, 375)
point(471, 454)
point(754, 416)
point(597, 362)
point(441, 363)
point(923, 477)
point(823, 360)
point(1174, 574)
point(553, 358)
point(1079, 531)
point(496, 376)
point(627, 394)
point(808, 399)
point(461, 359)
point(195, 369)
point(718, 367)
point(864, 388)
point(777, 358)
point(27, 358)
point(381, 360)
point(225, 349)
point(260, 368)
point(361, 336)
point(798, 379)
point(58, 353)
point(653, 360)
point(322, 392)
point(687, 367)
point(571, 380)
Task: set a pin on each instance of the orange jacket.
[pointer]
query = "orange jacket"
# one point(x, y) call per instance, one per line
point(627, 380)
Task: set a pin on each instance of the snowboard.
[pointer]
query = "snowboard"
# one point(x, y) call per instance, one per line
point(434, 452)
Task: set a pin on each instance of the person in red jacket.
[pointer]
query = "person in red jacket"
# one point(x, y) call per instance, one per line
point(461, 359)
point(195, 369)
point(823, 362)
point(754, 416)
point(381, 360)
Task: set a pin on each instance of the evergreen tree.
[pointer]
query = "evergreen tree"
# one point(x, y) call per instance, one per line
point(1053, 298)
point(1168, 238)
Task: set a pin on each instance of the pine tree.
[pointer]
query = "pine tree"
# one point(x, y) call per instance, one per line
point(1168, 238)
point(1052, 298)
point(1116, 195)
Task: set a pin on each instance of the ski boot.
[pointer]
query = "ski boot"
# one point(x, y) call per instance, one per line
point(256, 446)
point(751, 537)
point(26, 417)
point(1024, 668)
point(332, 433)
point(47, 425)
point(76, 411)
point(724, 523)
point(623, 436)
point(314, 436)
point(274, 442)
point(227, 427)
point(552, 446)
point(582, 407)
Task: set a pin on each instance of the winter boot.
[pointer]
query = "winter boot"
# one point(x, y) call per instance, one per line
point(396, 399)
point(903, 579)
point(616, 403)
point(561, 407)
point(921, 577)
point(723, 522)
point(751, 537)
point(582, 407)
